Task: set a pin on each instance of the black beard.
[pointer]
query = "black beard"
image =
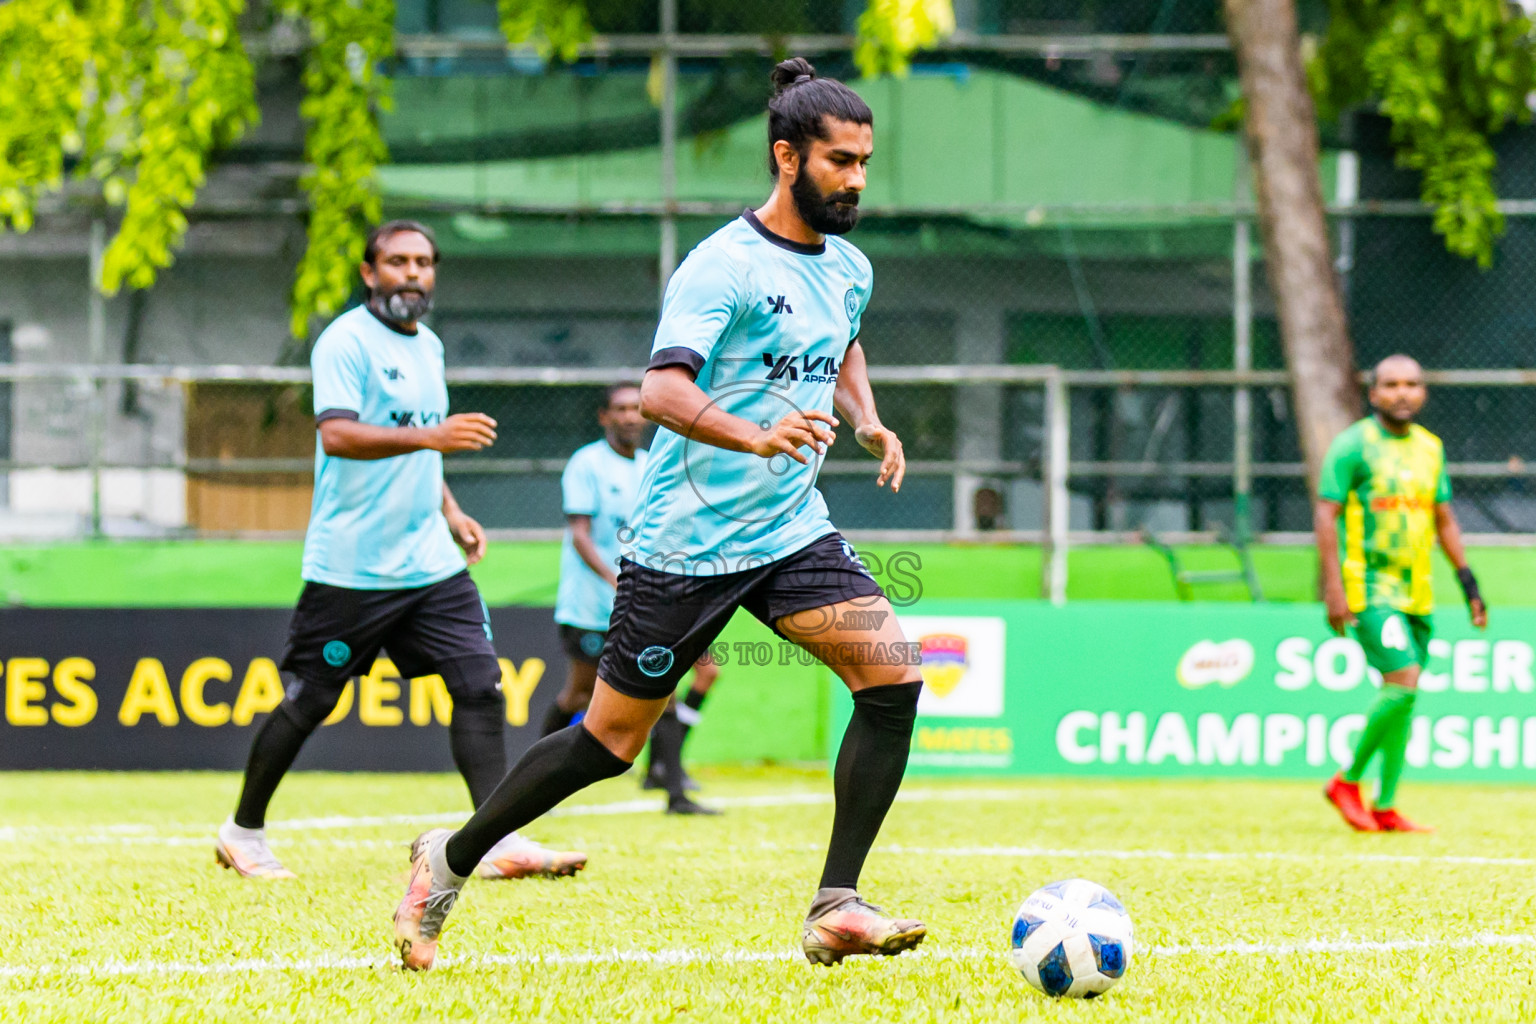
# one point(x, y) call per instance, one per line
point(821, 213)
point(405, 305)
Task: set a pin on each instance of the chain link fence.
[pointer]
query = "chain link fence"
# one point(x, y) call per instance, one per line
point(230, 450)
point(202, 450)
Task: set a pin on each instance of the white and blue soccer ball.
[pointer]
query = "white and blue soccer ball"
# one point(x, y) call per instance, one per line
point(1072, 938)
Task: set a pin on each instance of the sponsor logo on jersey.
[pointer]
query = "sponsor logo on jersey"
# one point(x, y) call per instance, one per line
point(779, 304)
point(411, 418)
point(393, 373)
point(810, 369)
point(1401, 503)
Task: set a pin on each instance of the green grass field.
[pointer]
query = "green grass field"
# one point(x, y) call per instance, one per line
point(1251, 903)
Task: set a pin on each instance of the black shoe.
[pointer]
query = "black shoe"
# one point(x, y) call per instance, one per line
point(654, 779)
point(683, 805)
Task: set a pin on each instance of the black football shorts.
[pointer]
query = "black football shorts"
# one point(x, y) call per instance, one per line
point(337, 632)
point(663, 622)
point(583, 645)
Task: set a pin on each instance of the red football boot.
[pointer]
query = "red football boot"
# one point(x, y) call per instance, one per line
point(1345, 796)
point(1389, 820)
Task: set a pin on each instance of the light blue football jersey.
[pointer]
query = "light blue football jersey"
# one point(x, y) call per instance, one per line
point(764, 323)
point(377, 524)
point(601, 483)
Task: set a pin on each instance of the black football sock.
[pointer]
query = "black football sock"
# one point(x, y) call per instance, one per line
point(555, 719)
point(667, 753)
point(479, 748)
point(277, 743)
point(870, 764)
point(552, 769)
point(688, 710)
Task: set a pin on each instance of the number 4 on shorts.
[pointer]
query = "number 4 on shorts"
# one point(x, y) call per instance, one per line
point(1394, 634)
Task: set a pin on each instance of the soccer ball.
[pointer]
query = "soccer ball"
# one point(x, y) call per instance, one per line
point(1072, 938)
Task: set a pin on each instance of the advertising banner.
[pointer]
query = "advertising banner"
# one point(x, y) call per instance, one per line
point(1211, 690)
point(186, 689)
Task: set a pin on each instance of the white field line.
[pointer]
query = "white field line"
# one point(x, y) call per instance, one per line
point(207, 841)
point(1006, 852)
point(650, 805)
point(681, 957)
point(150, 835)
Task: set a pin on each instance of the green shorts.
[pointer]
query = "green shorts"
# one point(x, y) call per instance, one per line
point(1393, 640)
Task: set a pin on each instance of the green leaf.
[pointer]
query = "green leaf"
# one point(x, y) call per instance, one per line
point(1449, 74)
point(345, 88)
point(555, 28)
point(891, 31)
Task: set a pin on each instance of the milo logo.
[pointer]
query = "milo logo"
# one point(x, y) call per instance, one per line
point(1207, 662)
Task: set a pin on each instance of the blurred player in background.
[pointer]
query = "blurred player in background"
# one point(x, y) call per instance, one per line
point(1386, 476)
point(380, 567)
point(758, 342)
point(597, 494)
point(681, 715)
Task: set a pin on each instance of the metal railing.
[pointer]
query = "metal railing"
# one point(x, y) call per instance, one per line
point(1054, 464)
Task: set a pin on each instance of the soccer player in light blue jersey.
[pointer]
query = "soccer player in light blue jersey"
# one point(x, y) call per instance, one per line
point(597, 493)
point(758, 344)
point(383, 568)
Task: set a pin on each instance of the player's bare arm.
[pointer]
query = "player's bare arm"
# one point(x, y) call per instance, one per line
point(462, 432)
point(586, 547)
point(467, 532)
point(1325, 523)
point(669, 396)
point(1449, 531)
point(854, 399)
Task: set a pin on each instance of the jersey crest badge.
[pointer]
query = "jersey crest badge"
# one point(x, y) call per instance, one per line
point(850, 304)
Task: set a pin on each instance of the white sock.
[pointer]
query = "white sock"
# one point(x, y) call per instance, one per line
point(236, 832)
point(437, 857)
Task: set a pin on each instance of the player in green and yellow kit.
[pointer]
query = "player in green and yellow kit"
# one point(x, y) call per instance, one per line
point(1386, 476)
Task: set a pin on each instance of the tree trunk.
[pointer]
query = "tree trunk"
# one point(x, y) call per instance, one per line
point(1281, 130)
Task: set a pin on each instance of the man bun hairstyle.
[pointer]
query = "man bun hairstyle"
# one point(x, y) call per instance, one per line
point(790, 72)
point(802, 103)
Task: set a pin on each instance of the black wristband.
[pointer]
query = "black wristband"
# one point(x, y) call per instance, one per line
point(1468, 584)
